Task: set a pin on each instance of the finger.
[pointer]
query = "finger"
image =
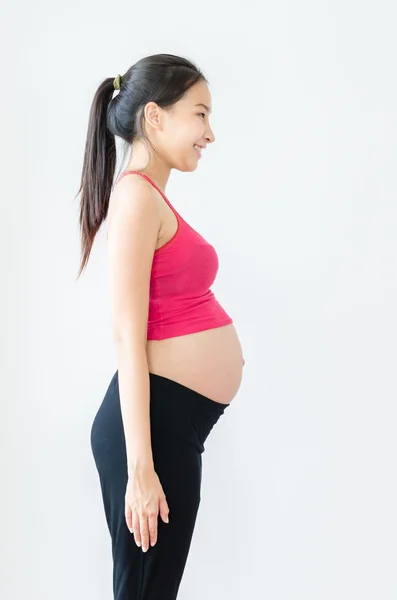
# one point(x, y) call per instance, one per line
point(128, 516)
point(164, 510)
point(152, 524)
point(144, 531)
point(136, 529)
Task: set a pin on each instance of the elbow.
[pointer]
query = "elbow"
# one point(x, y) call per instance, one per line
point(131, 344)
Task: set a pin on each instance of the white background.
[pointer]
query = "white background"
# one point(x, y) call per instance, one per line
point(298, 195)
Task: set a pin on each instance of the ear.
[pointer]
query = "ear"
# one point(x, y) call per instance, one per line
point(153, 115)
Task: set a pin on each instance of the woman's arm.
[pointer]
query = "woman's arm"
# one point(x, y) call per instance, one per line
point(134, 388)
point(132, 239)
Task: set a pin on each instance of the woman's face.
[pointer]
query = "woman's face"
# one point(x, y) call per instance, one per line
point(178, 129)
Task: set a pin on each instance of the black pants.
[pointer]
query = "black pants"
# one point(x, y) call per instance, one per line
point(180, 421)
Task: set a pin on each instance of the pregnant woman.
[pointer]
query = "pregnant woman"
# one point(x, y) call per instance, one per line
point(179, 358)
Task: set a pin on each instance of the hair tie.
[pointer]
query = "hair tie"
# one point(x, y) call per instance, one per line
point(117, 82)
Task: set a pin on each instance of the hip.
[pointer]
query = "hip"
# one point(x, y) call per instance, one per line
point(180, 418)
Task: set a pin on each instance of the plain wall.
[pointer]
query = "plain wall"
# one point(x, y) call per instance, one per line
point(298, 195)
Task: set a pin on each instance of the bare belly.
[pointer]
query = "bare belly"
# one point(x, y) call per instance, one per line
point(209, 362)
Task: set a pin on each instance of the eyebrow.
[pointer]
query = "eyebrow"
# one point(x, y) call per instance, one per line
point(205, 106)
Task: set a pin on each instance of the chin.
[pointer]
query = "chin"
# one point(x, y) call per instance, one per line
point(185, 163)
point(186, 168)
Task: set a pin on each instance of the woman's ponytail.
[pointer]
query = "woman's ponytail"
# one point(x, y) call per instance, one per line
point(98, 170)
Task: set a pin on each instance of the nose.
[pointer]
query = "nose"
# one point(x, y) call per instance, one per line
point(210, 137)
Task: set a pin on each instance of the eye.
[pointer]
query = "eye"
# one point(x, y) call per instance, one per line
point(202, 114)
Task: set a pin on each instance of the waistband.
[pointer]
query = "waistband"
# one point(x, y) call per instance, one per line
point(181, 410)
point(188, 393)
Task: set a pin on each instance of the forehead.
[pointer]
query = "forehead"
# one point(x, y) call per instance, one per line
point(199, 96)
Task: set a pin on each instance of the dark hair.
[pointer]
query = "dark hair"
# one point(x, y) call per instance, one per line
point(160, 78)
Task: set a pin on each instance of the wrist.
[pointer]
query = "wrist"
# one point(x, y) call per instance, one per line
point(139, 464)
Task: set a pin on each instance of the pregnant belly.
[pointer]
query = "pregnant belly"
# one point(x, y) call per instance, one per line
point(209, 362)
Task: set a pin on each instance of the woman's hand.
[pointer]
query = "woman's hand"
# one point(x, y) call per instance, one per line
point(144, 500)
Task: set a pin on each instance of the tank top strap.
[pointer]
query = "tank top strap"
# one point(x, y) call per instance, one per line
point(155, 186)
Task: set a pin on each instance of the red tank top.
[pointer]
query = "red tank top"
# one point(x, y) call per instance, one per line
point(183, 270)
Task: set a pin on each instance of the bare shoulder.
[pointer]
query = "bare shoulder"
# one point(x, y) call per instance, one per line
point(132, 194)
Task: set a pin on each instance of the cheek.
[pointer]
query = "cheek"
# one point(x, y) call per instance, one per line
point(181, 135)
point(188, 132)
